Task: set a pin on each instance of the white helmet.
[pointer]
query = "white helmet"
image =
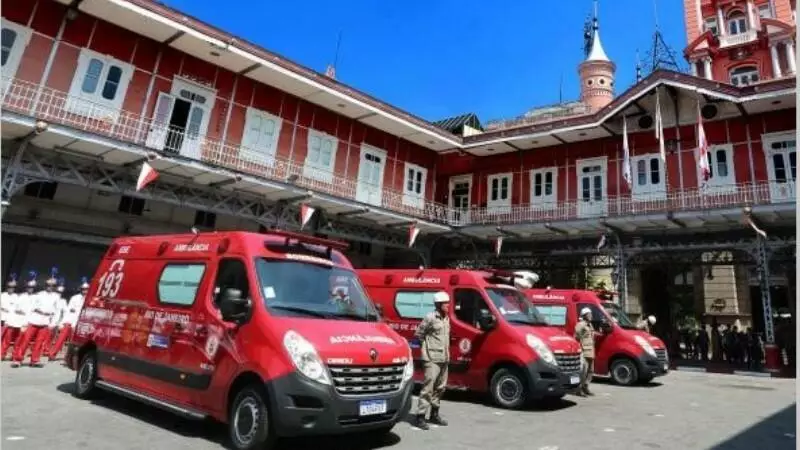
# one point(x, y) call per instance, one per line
point(585, 311)
point(524, 279)
point(441, 297)
point(651, 319)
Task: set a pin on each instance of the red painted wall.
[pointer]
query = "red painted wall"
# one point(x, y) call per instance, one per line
point(297, 114)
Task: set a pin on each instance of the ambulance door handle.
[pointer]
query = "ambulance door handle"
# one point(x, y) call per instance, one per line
point(178, 327)
point(202, 331)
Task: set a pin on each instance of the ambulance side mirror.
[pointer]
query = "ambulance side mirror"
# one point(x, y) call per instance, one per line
point(605, 327)
point(233, 307)
point(486, 320)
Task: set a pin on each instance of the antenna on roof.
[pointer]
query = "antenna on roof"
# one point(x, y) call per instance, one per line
point(331, 70)
point(561, 89)
point(638, 67)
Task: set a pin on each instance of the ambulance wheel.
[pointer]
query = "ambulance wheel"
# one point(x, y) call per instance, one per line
point(86, 376)
point(624, 372)
point(248, 421)
point(508, 388)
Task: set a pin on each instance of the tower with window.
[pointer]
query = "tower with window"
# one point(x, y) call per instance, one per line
point(596, 72)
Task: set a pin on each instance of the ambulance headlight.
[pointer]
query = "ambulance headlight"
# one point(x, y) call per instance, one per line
point(305, 357)
point(541, 348)
point(645, 345)
point(408, 371)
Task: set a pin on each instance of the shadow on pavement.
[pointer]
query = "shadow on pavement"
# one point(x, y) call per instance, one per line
point(607, 381)
point(482, 399)
point(776, 432)
point(216, 432)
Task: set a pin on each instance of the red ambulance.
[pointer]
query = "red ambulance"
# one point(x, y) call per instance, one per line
point(271, 334)
point(499, 343)
point(627, 354)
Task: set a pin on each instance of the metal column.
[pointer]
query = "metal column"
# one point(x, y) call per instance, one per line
point(762, 266)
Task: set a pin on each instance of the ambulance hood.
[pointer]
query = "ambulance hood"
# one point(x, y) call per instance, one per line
point(654, 341)
point(555, 338)
point(350, 341)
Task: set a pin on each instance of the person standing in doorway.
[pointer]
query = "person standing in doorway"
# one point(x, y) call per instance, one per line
point(584, 333)
point(17, 320)
point(7, 300)
point(434, 335)
point(69, 318)
point(43, 307)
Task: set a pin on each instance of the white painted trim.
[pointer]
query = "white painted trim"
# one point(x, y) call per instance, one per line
point(317, 170)
point(716, 185)
point(592, 211)
point(180, 83)
point(544, 201)
point(94, 105)
point(411, 198)
point(649, 191)
point(18, 50)
point(260, 155)
point(459, 215)
point(499, 204)
point(368, 149)
point(275, 67)
point(779, 192)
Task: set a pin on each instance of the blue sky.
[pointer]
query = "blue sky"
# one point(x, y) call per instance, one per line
point(441, 58)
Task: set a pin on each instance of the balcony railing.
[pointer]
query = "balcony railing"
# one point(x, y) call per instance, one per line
point(732, 40)
point(58, 107)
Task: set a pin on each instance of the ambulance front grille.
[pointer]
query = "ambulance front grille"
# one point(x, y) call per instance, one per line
point(661, 355)
point(367, 380)
point(569, 362)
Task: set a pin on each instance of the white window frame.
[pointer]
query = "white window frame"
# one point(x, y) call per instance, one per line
point(775, 186)
point(716, 184)
point(761, 8)
point(459, 216)
point(94, 105)
point(259, 155)
point(738, 18)
point(315, 169)
point(411, 197)
point(20, 44)
point(744, 77)
point(499, 205)
point(711, 23)
point(649, 190)
point(544, 201)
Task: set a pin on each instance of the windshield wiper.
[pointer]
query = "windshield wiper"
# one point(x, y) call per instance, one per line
point(309, 312)
point(369, 317)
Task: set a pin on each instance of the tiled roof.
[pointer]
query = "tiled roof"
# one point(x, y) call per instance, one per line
point(456, 124)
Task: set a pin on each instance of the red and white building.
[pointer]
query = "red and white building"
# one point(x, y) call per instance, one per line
point(93, 88)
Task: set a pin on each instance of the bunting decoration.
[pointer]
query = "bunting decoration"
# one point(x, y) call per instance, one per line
point(413, 232)
point(306, 212)
point(626, 152)
point(702, 148)
point(755, 227)
point(497, 243)
point(660, 130)
point(602, 242)
point(146, 176)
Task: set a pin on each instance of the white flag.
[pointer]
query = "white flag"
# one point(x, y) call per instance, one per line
point(626, 152)
point(660, 130)
point(702, 148)
point(413, 232)
point(498, 245)
point(306, 212)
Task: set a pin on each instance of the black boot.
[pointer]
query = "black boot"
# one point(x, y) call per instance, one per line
point(421, 423)
point(587, 392)
point(436, 419)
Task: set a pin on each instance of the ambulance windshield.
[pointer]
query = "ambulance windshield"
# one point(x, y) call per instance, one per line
point(618, 315)
point(294, 288)
point(514, 307)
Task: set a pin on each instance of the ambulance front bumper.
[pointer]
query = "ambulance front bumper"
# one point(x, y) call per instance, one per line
point(547, 380)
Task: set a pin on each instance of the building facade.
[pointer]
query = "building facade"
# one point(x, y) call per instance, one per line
point(741, 42)
point(241, 137)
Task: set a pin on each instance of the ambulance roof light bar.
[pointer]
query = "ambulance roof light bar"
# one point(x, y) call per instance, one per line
point(306, 239)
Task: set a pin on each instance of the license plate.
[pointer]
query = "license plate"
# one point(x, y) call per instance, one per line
point(666, 366)
point(574, 380)
point(372, 407)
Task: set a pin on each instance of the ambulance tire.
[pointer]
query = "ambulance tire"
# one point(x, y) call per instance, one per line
point(249, 425)
point(624, 372)
point(86, 376)
point(508, 388)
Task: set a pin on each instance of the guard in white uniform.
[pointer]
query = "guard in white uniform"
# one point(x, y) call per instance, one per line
point(69, 318)
point(39, 321)
point(17, 319)
point(7, 299)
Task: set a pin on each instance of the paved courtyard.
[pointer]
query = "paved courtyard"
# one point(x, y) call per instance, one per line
point(683, 411)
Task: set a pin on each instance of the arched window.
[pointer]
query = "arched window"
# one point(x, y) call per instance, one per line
point(744, 75)
point(737, 23)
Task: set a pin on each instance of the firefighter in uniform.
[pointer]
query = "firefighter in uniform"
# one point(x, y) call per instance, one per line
point(55, 319)
point(69, 318)
point(17, 320)
point(434, 335)
point(43, 308)
point(584, 333)
point(7, 300)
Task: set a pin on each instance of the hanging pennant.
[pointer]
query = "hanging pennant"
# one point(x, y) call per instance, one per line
point(146, 176)
point(306, 212)
point(413, 232)
point(498, 244)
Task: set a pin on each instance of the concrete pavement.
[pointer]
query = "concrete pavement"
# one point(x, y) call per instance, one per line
point(683, 410)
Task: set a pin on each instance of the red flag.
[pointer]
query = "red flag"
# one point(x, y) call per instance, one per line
point(498, 245)
point(413, 232)
point(306, 212)
point(702, 148)
point(146, 176)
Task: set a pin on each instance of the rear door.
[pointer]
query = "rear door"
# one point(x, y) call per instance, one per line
point(171, 344)
point(466, 337)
